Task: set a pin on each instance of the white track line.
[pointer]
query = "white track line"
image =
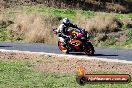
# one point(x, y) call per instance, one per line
point(71, 56)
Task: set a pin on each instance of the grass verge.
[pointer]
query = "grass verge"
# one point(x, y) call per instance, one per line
point(5, 35)
point(14, 74)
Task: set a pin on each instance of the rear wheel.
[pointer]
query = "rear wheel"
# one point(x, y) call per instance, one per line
point(89, 50)
point(63, 49)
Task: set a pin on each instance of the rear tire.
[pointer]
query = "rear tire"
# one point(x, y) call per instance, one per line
point(62, 49)
point(89, 49)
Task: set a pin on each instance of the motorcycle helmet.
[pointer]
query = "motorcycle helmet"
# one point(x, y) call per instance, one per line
point(66, 21)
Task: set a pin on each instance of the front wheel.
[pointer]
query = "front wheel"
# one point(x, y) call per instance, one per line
point(63, 49)
point(89, 49)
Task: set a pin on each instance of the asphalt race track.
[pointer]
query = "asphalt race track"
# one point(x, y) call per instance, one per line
point(111, 53)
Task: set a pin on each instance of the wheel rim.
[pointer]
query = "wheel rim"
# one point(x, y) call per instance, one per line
point(89, 50)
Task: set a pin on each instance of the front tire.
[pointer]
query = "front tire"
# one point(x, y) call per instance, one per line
point(62, 49)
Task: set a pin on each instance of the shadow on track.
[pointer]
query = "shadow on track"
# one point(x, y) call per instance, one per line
point(94, 54)
point(104, 55)
point(5, 46)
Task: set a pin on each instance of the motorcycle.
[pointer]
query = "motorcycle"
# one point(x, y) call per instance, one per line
point(79, 42)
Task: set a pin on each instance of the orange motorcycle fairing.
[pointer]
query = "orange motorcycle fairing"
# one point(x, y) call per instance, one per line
point(76, 43)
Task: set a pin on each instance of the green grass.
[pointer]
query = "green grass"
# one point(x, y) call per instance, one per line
point(52, 11)
point(130, 34)
point(112, 44)
point(20, 74)
point(5, 34)
point(70, 13)
point(127, 44)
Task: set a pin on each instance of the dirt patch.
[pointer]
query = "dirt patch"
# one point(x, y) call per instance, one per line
point(53, 63)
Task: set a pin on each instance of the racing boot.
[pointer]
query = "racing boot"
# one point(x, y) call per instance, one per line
point(66, 43)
